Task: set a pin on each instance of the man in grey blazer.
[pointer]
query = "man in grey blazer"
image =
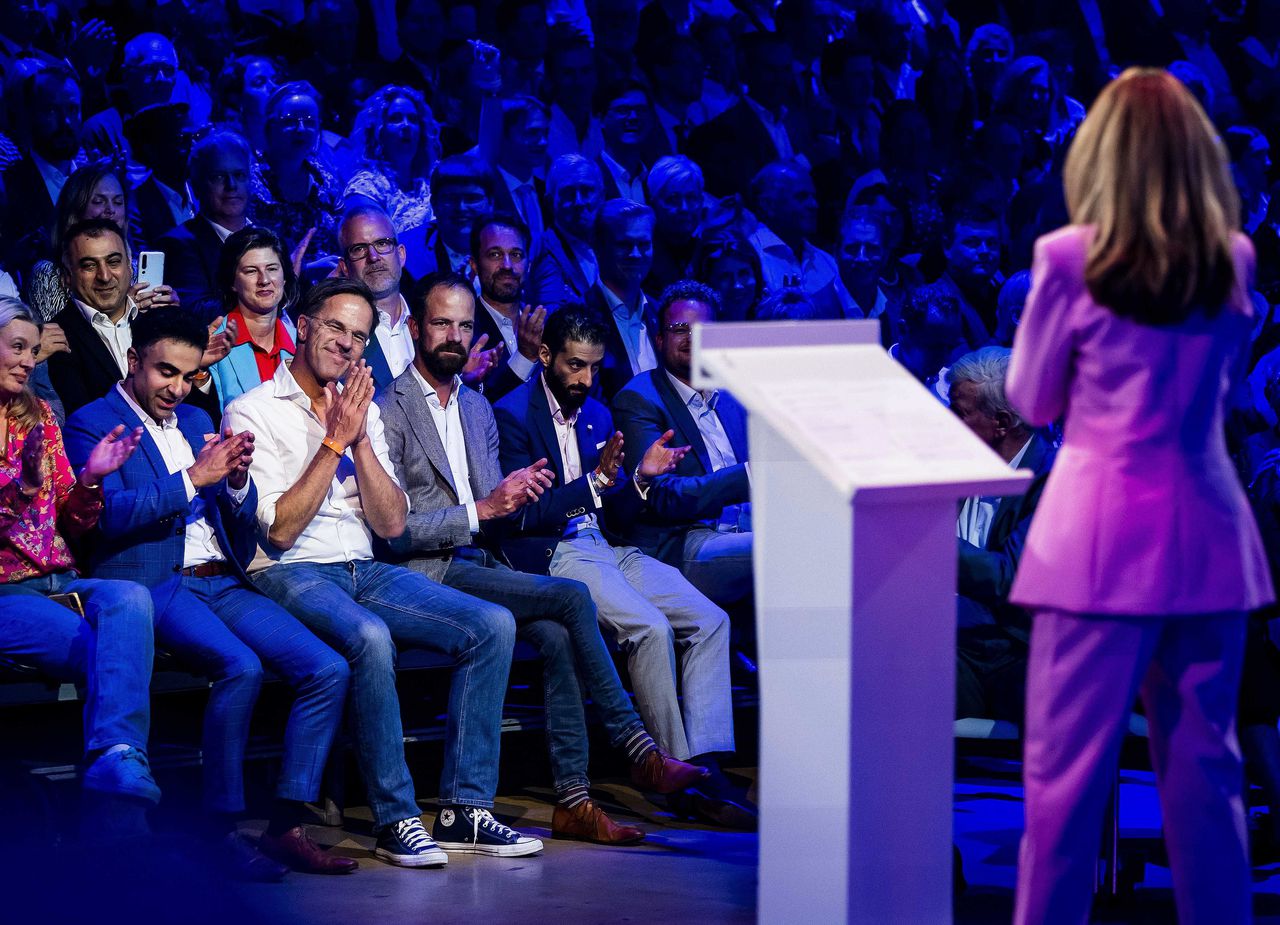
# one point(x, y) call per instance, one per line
point(443, 443)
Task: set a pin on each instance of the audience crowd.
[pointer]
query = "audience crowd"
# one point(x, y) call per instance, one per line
point(493, 223)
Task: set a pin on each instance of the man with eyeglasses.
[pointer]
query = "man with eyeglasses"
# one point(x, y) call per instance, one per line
point(372, 254)
point(699, 517)
point(326, 488)
point(219, 167)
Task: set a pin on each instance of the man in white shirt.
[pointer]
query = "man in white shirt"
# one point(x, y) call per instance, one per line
point(624, 249)
point(372, 254)
point(500, 262)
point(179, 518)
point(326, 489)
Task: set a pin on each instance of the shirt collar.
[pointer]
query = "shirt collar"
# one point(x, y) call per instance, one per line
point(169, 423)
point(283, 340)
point(557, 414)
point(688, 393)
point(284, 386)
point(618, 170)
point(498, 318)
point(222, 233)
point(619, 307)
point(1017, 460)
point(384, 319)
point(429, 390)
point(513, 182)
point(90, 314)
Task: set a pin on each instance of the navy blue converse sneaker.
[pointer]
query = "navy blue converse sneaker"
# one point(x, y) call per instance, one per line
point(407, 844)
point(472, 830)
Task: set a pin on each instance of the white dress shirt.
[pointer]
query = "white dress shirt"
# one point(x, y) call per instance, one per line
point(629, 187)
point(635, 336)
point(817, 271)
point(520, 364)
point(287, 436)
point(571, 459)
point(394, 339)
point(448, 421)
point(200, 542)
point(222, 233)
point(978, 513)
point(702, 407)
point(117, 335)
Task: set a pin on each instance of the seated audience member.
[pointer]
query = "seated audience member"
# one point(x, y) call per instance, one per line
point(43, 503)
point(158, 151)
point(520, 161)
point(678, 198)
point(461, 191)
point(50, 106)
point(326, 487)
point(972, 250)
point(566, 266)
point(624, 248)
point(679, 79)
point(930, 336)
point(784, 200)
point(372, 254)
point(96, 321)
point(244, 86)
point(179, 518)
point(731, 267)
point(573, 530)
point(572, 126)
point(400, 145)
point(220, 167)
point(1009, 305)
point(442, 440)
point(698, 518)
point(500, 262)
point(626, 118)
point(862, 254)
point(294, 189)
point(988, 53)
point(150, 71)
point(257, 287)
point(791, 303)
point(991, 664)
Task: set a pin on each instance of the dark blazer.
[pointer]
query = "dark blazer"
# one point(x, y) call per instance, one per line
point(437, 523)
point(644, 410)
point(89, 371)
point(986, 574)
point(28, 215)
point(526, 434)
point(191, 260)
point(555, 277)
point(505, 203)
point(615, 371)
point(426, 254)
point(502, 380)
point(141, 533)
point(377, 362)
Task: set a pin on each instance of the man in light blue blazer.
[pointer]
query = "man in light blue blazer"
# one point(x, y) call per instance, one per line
point(699, 517)
point(180, 518)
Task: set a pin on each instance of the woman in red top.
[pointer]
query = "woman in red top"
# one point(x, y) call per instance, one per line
point(42, 504)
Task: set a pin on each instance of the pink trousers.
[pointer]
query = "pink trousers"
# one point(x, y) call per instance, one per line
point(1083, 675)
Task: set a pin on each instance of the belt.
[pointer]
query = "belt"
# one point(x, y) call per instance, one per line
point(208, 570)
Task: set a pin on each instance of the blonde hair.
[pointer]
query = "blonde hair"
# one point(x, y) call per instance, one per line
point(24, 407)
point(1149, 172)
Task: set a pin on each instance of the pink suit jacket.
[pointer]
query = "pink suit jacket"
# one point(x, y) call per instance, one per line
point(1143, 513)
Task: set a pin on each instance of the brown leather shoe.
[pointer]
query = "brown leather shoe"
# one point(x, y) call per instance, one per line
point(658, 772)
point(587, 822)
point(296, 850)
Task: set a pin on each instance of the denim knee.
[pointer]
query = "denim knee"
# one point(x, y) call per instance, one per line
point(371, 645)
point(493, 625)
point(327, 673)
point(125, 600)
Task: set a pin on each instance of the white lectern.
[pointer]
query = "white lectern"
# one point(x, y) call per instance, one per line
point(856, 474)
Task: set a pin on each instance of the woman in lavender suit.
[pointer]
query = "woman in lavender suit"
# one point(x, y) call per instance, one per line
point(1143, 557)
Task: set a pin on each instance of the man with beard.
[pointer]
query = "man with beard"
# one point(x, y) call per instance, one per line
point(566, 266)
point(624, 247)
point(699, 517)
point(326, 488)
point(372, 254)
point(442, 440)
point(500, 261)
point(51, 106)
point(573, 530)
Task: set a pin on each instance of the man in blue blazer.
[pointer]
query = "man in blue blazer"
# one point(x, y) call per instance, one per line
point(574, 530)
point(699, 517)
point(180, 519)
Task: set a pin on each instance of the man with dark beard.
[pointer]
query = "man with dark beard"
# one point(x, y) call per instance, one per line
point(574, 529)
point(443, 443)
point(500, 261)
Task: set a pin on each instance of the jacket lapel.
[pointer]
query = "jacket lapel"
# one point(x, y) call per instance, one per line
point(414, 404)
point(540, 413)
point(568, 262)
point(147, 446)
point(686, 428)
point(87, 345)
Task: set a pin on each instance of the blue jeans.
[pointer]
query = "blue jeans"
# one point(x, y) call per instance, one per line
point(241, 626)
point(558, 617)
point(110, 650)
point(364, 609)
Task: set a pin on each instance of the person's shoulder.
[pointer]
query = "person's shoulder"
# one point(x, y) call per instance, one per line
point(516, 401)
point(1068, 243)
point(189, 414)
point(643, 387)
point(257, 396)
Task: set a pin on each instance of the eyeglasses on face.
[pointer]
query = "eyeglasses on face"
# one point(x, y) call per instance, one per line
point(359, 338)
point(360, 251)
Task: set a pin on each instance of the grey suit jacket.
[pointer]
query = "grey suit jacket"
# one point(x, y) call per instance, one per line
point(437, 523)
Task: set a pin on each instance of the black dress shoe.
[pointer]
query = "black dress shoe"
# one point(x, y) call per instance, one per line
point(716, 809)
point(243, 861)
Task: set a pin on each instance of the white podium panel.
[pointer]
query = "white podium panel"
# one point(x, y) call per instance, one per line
point(856, 471)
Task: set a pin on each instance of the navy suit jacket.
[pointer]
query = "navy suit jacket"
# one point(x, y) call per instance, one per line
point(556, 276)
point(191, 262)
point(142, 530)
point(615, 371)
point(527, 433)
point(500, 381)
point(647, 408)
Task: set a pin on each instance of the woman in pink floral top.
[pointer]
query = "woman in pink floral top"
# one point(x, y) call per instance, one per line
point(42, 502)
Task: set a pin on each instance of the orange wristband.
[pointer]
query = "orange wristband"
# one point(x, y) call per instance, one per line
point(334, 445)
